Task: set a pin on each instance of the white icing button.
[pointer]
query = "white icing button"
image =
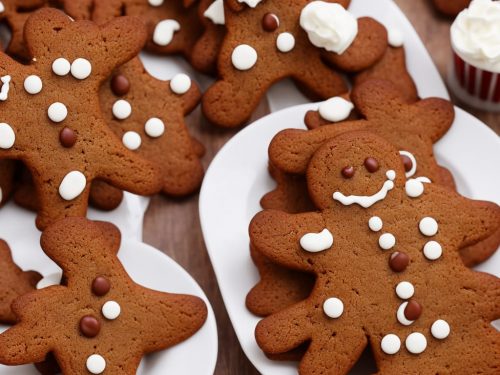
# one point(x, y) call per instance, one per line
point(333, 307)
point(61, 66)
point(155, 3)
point(180, 84)
point(96, 364)
point(335, 109)
point(164, 32)
point(4, 92)
point(244, 57)
point(50, 280)
point(215, 12)
point(391, 175)
point(111, 310)
point(413, 169)
point(154, 127)
point(390, 344)
point(316, 242)
point(387, 241)
point(414, 188)
point(132, 140)
point(375, 224)
point(122, 109)
point(440, 329)
point(72, 185)
point(81, 68)
point(57, 112)
point(285, 42)
point(433, 250)
point(405, 290)
point(395, 37)
point(416, 343)
point(7, 136)
point(428, 226)
point(33, 84)
point(401, 315)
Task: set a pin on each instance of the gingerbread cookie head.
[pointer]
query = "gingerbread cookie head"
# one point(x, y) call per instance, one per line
point(101, 321)
point(61, 135)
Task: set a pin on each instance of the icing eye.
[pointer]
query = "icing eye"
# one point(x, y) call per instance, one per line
point(371, 165)
point(348, 172)
point(409, 162)
point(270, 22)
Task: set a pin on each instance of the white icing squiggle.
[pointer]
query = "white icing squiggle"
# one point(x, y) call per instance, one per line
point(413, 169)
point(164, 32)
point(4, 93)
point(215, 12)
point(316, 242)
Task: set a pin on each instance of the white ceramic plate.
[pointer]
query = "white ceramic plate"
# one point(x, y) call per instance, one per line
point(238, 178)
point(153, 269)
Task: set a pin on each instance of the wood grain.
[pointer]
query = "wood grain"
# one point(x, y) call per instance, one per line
point(173, 226)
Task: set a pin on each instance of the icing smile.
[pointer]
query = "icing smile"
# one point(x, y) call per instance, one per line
point(368, 200)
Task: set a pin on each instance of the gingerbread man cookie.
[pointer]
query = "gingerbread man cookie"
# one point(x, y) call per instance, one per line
point(61, 134)
point(387, 268)
point(7, 168)
point(101, 321)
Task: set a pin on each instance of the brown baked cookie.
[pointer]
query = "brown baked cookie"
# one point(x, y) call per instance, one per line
point(451, 7)
point(14, 282)
point(153, 125)
point(61, 134)
point(207, 47)
point(7, 168)
point(384, 249)
point(101, 322)
point(172, 27)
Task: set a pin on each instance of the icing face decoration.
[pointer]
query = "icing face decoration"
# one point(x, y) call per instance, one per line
point(409, 162)
point(329, 26)
point(164, 32)
point(317, 242)
point(4, 92)
point(215, 12)
point(368, 200)
point(270, 22)
point(348, 172)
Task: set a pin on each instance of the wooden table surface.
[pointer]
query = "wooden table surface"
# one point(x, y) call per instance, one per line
point(173, 226)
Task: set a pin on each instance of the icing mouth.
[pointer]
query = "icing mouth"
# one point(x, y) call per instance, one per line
point(366, 201)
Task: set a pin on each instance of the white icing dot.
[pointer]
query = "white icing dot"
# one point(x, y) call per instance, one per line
point(416, 343)
point(122, 109)
point(33, 84)
point(375, 224)
point(335, 109)
point(131, 140)
point(2, 7)
point(401, 315)
point(413, 169)
point(428, 226)
point(285, 42)
point(96, 364)
point(7, 136)
point(433, 250)
point(4, 92)
point(164, 32)
point(155, 3)
point(405, 290)
point(387, 241)
point(390, 344)
point(316, 242)
point(57, 112)
point(391, 175)
point(61, 66)
point(81, 68)
point(154, 127)
point(414, 188)
point(72, 185)
point(180, 84)
point(111, 310)
point(215, 12)
point(440, 329)
point(333, 307)
point(395, 37)
point(244, 57)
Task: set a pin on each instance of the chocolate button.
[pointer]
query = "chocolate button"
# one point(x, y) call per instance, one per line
point(371, 165)
point(413, 310)
point(90, 326)
point(348, 172)
point(408, 164)
point(67, 137)
point(270, 22)
point(120, 85)
point(399, 261)
point(100, 286)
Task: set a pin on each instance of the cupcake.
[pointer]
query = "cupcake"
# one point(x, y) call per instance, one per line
point(475, 40)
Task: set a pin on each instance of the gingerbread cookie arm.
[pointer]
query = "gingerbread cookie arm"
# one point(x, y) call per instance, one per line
point(439, 112)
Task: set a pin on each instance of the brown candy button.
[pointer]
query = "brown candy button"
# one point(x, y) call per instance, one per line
point(371, 165)
point(408, 164)
point(348, 172)
point(399, 261)
point(90, 326)
point(120, 85)
point(270, 22)
point(67, 137)
point(413, 310)
point(101, 286)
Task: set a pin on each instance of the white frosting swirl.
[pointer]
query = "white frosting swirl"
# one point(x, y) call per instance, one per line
point(329, 25)
point(475, 35)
